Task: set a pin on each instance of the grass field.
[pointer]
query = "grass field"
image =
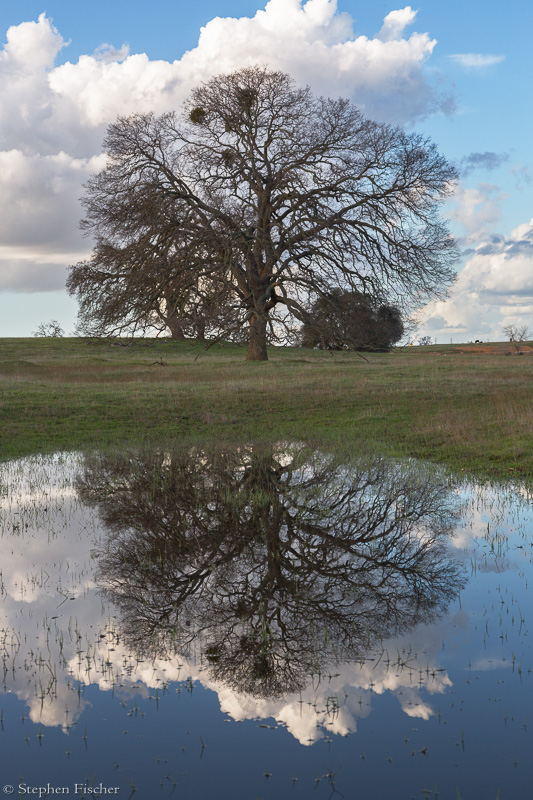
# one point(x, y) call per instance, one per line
point(469, 407)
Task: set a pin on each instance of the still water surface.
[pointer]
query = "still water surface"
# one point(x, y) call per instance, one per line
point(262, 622)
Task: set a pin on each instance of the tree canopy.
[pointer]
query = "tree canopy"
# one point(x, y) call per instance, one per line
point(260, 197)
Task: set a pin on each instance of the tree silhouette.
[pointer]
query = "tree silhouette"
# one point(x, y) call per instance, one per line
point(351, 321)
point(264, 191)
point(268, 562)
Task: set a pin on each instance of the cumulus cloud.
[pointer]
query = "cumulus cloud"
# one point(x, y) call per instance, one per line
point(31, 45)
point(495, 288)
point(357, 683)
point(39, 218)
point(312, 41)
point(39, 199)
point(46, 108)
point(476, 60)
point(395, 23)
point(502, 267)
point(27, 106)
point(53, 118)
point(476, 211)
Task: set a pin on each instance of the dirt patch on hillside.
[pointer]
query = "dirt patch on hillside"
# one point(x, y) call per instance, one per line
point(498, 349)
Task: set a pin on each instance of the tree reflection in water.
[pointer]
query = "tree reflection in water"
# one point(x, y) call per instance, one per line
point(268, 561)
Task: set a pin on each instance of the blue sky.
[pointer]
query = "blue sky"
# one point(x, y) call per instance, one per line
point(459, 72)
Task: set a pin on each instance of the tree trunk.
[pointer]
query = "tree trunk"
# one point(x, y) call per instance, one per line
point(174, 325)
point(200, 329)
point(257, 341)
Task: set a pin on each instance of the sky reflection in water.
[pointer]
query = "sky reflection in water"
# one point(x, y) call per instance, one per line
point(321, 602)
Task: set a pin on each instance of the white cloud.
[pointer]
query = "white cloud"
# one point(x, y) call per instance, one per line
point(27, 106)
point(107, 53)
point(476, 60)
point(311, 41)
point(53, 119)
point(395, 23)
point(39, 218)
point(476, 211)
point(46, 109)
point(39, 200)
point(494, 288)
point(32, 45)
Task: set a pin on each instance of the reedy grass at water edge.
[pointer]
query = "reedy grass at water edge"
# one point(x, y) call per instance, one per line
point(469, 409)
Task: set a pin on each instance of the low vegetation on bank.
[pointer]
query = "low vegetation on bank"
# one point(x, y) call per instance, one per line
point(469, 407)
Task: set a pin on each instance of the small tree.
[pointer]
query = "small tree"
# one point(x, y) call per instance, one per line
point(424, 340)
point(517, 335)
point(52, 328)
point(350, 321)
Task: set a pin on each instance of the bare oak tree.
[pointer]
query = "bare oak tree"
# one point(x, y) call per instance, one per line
point(517, 335)
point(51, 329)
point(270, 195)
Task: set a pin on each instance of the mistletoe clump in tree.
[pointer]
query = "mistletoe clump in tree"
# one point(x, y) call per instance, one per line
point(257, 199)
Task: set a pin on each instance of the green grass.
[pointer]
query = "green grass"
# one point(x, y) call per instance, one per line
point(470, 410)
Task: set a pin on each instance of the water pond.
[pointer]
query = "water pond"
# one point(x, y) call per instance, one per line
point(262, 622)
